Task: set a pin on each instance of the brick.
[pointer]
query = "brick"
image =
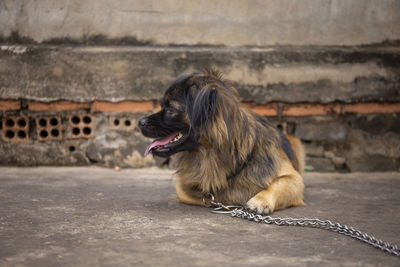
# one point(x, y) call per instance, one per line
point(310, 109)
point(6, 105)
point(80, 126)
point(123, 106)
point(15, 129)
point(49, 128)
point(371, 108)
point(158, 107)
point(264, 110)
point(122, 123)
point(56, 106)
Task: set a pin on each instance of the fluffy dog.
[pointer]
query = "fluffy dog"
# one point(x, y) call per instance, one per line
point(224, 148)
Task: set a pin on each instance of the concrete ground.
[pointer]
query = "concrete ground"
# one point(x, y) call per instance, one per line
point(101, 217)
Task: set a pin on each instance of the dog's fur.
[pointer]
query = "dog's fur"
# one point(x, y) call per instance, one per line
point(226, 149)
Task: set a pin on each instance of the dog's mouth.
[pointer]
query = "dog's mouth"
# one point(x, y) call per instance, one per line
point(165, 144)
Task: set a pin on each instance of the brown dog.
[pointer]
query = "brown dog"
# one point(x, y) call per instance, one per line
point(224, 148)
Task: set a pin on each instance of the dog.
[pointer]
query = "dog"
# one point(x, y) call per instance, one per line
point(224, 149)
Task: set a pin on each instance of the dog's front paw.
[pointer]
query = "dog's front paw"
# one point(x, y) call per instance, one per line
point(259, 205)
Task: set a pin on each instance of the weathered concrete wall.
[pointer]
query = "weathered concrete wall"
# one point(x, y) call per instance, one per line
point(80, 74)
point(344, 103)
point(225, 22)
point(338, 137)
point(326, 71)
point(108, 145)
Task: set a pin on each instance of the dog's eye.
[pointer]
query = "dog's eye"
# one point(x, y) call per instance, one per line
point(170, 111)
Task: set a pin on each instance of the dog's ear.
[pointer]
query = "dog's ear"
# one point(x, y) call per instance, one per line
point(202, 106)
point(208, 114)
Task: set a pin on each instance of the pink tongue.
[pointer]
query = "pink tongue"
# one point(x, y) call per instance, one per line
point(160, 142)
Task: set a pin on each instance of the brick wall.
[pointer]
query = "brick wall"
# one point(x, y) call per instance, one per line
point(105, 133)
point(73, 86)
point(78, 105)
point(272, 109)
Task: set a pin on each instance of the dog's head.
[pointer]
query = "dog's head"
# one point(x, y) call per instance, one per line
point(195, 111)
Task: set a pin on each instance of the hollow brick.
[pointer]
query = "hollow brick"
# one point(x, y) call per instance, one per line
point(6, 105)
point(123, 106)
point(371, 108)
point(310, 109)
point(56, 106)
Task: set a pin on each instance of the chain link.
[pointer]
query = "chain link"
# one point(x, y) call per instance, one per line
point(241, 212)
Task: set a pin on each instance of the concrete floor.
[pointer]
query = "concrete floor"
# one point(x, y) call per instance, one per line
point(101, 217)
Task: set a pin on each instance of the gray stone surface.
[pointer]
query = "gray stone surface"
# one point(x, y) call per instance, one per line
point(372, 163)
point(377, 125)
point(354, 143)
point(314, 150)
point(262, 75)
point(113, 150)
point(332, 131)
point(363, 143)
point(369, 152)
point(100, 217)
point(39, 153)
point(109, 147)
point(319, 164)
point(118, 147)
point(224, 22)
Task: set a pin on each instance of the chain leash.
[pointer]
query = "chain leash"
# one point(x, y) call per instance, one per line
point(241, 212)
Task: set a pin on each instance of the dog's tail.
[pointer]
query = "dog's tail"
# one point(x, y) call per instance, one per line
point(299, 152)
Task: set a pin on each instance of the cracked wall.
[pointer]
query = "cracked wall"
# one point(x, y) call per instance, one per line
point(226, 22)
point(76, 76)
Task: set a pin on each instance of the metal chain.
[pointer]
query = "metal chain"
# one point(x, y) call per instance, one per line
point(241, 212)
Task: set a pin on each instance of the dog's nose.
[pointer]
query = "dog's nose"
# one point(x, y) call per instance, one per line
point(143, 122)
